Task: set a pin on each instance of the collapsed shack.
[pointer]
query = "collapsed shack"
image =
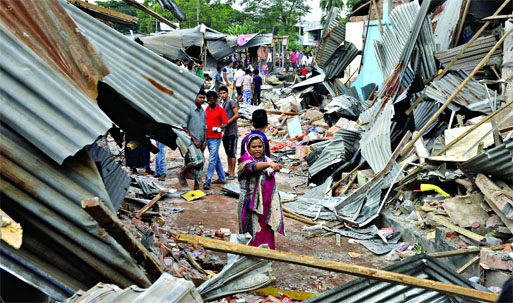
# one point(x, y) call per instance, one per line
point(413, 163)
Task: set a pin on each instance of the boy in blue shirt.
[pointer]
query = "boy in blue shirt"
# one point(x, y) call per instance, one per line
point(257, 87)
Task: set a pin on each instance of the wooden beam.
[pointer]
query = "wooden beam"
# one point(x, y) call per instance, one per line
point(468, 265)
point(499, 17)
point(461, 23)
point(467, 233)
point(150, 204)
point(463, 251)
point(456, 92)
point(139, 6)
point(335, 266)
point(277, 112)
point(113, 226)
point(105, 13)
point(378, 16)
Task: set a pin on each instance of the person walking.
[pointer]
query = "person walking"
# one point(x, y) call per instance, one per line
point(231, 131)
point(216, 122)
point(218, 79)
point(246, 87)
point(228, 76)
point(293, 59)
point(194, 142)
point(160, 161)
point(237, 83)
point(259, 210)
point(257, 87)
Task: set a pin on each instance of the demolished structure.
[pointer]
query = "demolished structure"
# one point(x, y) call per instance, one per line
point(413, 162)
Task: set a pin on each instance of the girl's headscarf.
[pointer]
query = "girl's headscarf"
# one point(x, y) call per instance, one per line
point(251, 138)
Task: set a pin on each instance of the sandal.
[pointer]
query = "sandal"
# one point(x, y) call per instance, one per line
point(181, 179)
point(219, 182)
point(206, 186)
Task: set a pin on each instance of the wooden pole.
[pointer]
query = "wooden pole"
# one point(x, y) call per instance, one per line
point(464, 251)
point(456, 92)
point(108, 221)
point(335, 266)
point(365, 39)
point(344, 178)
point(451, 63)
point(462, 23)
point(468, 265)
point(150, 204)
point(378, 16)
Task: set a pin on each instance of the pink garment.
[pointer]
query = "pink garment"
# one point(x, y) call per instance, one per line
point(293, 58)
point(243, 39)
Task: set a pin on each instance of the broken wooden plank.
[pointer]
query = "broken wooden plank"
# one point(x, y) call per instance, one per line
point(294, 295)
point(113, 226)
point(335, 266)
point(150, 204)
point(463, 251)
point(277, 112)
point(143, 8)
point(446, 223)
point(493, 192)
point(105, 13)
point(468, 265)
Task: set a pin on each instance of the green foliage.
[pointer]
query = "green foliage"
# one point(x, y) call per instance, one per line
point(346, 7)
point(275, 16)
point(215, 14)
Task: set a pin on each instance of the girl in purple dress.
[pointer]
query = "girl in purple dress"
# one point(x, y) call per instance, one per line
point(259, 210)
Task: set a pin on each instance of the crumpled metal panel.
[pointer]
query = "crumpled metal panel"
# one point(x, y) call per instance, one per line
point(375, 143)
point(167, 289)
point(242, 275)
point(157, 87)
point(388, 51)
point(115, 179)
point(46, 28)
point(340, 149)
point(315, 203)
point(497, 161)
point(420, 266)
point(220, 49)
point(473, 96)
point(471, 56)
point(166, 44)
point(445, 19)
point(346, 104)
point(64, 245)
point(423, 112)
point(341, 58)
point(329, 45)
point(40, 104)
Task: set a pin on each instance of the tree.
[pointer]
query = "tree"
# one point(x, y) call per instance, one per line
point(215, 14)
point(344, 5)
point(275, 16)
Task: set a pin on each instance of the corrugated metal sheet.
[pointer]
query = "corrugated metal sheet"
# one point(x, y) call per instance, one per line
point(473, 96)
point(340, 149)
point(472, 55)
point(42, 105)
point(157, 87)
point(389, 50)
point(167, 289)
point(444, 19)
point(115, 179)
point(375, 143)
point(62, 243)
point(497, 161)
point(341, 58)
point(420, 266)
point(311, 204)
point(166, 44)
point(423, 112)
point(329, 45)
point(45, 28)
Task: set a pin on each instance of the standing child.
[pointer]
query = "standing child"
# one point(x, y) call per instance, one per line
point(246, 87)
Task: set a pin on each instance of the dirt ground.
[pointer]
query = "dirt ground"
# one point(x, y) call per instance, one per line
point(217, 210)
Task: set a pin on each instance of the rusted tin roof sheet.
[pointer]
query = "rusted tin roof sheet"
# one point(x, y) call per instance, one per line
point(46, 28)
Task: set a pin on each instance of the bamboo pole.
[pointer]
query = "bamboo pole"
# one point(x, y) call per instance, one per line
point(335, 266)
point(462, 22)
point(456, 92)
point(451, 63)
point(465, 251)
